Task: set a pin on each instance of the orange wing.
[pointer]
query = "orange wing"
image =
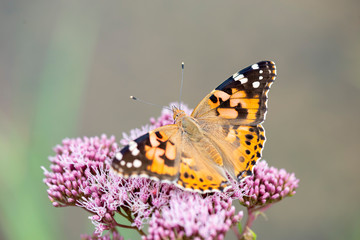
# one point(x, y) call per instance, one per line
point(231, 115)
point(201, 169)
point(241, 99)
point(152, 155)
point(239, 146)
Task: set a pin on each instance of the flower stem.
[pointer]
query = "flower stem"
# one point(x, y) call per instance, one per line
point(252, 215)
point(251, 218)
point(236, 232)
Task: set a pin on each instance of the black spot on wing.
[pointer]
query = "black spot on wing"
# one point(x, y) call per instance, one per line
point(158, 135)
point(213, 98)
point(249, 136)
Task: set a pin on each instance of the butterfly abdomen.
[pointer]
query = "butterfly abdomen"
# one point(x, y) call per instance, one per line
point(195, 134)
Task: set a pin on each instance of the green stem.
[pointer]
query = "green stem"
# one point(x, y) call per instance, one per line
point(252, 215)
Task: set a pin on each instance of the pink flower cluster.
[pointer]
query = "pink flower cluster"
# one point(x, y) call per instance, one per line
point(267, 185)
point(76, 160)
point(189, 215)
point(81, 176)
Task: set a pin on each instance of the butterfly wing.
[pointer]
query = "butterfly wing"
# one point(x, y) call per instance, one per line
point(240, 146)
point(153, 155)
point(241, 99)
point(231, 115)
point(198, 172)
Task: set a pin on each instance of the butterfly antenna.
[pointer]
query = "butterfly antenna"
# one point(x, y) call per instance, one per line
point(149, 103)
point(181, 84)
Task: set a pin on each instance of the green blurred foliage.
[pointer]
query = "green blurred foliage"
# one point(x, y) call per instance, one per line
point(68, 67)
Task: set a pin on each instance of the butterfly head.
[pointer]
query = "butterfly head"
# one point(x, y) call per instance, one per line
point(177, 113)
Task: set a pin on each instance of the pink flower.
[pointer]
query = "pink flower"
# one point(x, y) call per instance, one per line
point(74, 162)
point(190, 215)
point(267, 185)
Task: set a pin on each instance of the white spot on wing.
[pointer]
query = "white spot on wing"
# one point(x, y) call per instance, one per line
point(255, 66)
point(244, 80)
point(129, 165)
point(135, 152)
point(261, 77)
point(235, 75)
point(261, 71)
point(256, 84)
point(132, 145)
point(137, 163)
point(118, 156)
point(122, 163)
point(238, 77)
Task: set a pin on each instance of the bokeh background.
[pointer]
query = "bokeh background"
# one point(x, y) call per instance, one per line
point(67, 69)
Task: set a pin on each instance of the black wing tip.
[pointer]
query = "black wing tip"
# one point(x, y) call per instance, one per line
point(266, 64)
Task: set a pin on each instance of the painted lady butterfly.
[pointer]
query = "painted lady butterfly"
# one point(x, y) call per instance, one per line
point(222, 135)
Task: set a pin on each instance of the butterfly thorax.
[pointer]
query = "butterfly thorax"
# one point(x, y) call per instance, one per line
point(188, 125)
point(192, 131)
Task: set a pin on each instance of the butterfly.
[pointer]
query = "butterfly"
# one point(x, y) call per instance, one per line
point(222, 138)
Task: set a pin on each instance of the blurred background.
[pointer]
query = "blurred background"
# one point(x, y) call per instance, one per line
point(67, 69)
